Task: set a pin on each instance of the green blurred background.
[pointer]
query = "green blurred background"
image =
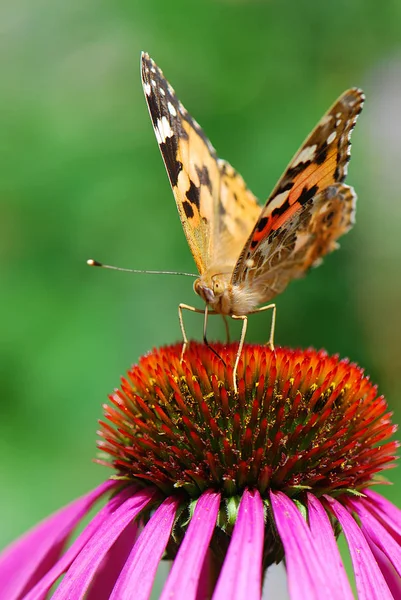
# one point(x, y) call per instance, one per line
point(81, 177)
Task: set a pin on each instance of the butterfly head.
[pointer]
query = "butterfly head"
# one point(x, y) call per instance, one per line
point(213, 290)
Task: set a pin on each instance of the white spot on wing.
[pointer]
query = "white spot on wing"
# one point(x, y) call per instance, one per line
point(306, 154)
point(332, 137)
point(301, 240)
point(326, 119)
point(161, 90)
point(147, 89)
point(171, 109)
point(278, 200)
point(163, 130)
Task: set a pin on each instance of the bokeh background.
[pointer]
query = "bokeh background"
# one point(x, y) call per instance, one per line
point(81, 177)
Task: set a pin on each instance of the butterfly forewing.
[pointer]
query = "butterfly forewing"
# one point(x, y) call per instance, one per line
point(307, 197)
point(180, 141)
point(217, 210)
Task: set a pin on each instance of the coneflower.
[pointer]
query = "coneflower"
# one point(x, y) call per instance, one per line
point(225, 484)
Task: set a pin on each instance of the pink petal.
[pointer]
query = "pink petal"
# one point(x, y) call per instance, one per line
point(309, 573)
point(392, 578)
point(113, 564)
point(389, 514)
point(184, 576)
point(82, 571)
point(373, 529)
point(136, 578)
point(24, 562)
point(41, 589)
point(207, 576)
point(326, 545)
point(241, 574)
point(370, 582)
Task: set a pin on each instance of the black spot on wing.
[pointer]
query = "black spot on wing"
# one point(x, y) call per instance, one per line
point(169, 150)
point(294, 171)
point(188, 209)
point(284, 188)
point(193, 194)
point(204, 178)
point(339, 174)
point(155, 108)
point(321, 154)
point(262, 224)
point(279, 210)
point(307, 194)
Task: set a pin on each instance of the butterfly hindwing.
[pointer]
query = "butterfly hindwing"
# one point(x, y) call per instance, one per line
point(309, 186)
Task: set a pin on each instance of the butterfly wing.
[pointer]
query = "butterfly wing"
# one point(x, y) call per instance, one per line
point(237, 211)
point(216, 209)
point(300, 242)
point(309, 208)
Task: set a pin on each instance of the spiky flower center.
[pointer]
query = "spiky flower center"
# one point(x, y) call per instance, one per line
point(301, 420)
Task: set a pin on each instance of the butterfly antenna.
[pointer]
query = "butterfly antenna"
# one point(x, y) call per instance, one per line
point(96, 263)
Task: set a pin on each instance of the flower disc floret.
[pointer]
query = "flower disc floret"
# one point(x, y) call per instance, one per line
point(301, 420)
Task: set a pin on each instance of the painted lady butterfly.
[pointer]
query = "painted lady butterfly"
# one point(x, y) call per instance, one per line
point(246, 254)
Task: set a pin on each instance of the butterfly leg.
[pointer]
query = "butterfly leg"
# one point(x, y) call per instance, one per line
point(244, 320)
point(270, 343)
point(182, 307)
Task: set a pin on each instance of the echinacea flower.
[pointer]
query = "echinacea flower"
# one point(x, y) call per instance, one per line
point(223, 485)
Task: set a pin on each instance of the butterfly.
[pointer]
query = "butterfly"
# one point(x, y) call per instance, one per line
point(247, 254)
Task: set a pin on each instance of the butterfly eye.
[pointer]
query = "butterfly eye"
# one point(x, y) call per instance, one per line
point(216, 286)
